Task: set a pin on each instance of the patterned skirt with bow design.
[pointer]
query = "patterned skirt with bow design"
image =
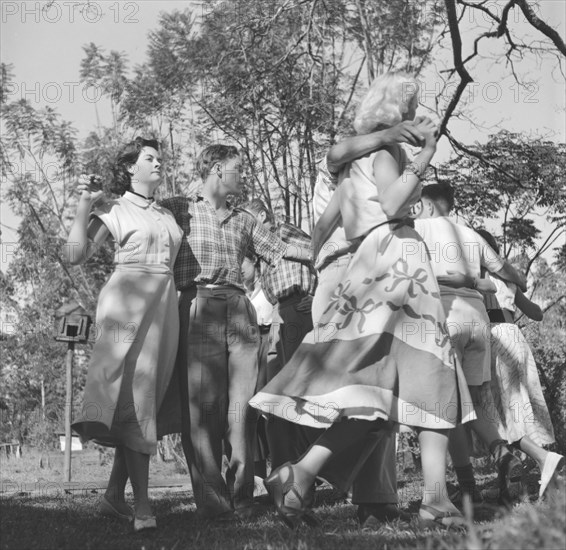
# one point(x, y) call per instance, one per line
point(381, 349)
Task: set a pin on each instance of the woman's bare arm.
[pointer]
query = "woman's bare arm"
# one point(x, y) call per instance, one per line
point(85, 236)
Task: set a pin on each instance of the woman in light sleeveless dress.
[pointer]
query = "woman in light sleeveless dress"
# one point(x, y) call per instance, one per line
point(514, 394)
point(137, 323)
point(381, 350)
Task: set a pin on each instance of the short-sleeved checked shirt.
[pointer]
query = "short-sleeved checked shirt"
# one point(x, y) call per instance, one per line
point(288, 277)
point(213, 249)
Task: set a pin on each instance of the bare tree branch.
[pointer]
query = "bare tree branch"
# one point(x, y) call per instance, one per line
point(465, 77)
point(540, 25)
point(464, 149)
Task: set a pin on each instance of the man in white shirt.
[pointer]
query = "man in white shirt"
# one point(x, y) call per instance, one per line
point(457, 251)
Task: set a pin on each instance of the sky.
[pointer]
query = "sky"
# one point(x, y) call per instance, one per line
point(45, 48)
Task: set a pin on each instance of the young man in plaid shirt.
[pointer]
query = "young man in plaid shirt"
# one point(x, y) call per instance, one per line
point(219, 341)
point(289, 287)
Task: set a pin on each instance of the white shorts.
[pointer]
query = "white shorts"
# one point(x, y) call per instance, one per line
point(469, 329)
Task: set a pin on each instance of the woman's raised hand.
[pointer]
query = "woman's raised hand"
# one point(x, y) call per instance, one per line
point(89, 186)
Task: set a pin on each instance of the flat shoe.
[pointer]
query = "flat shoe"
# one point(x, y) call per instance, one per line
point(279, 490)
point(144, 523)
point(442, 519)
point(106, 508)
point(552, 463)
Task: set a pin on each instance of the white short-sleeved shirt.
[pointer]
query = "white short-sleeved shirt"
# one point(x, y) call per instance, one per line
point(504, 298)
point(144, 232)
point(262, 306)
point(455, 247)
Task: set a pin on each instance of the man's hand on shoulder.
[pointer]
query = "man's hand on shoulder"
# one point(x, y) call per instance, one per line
point(405, 132)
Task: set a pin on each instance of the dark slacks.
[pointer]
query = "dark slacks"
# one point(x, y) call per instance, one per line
point(218, 365)
point(288, 329)
point(262, 445)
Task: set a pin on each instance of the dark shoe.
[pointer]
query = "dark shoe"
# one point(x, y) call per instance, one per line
point(225, 517)
point(383, 513)
point(457, 497)
point(441, 519)
point(280, 484)
point(108, 508)
point(251, 512)
point(216, 515)
point(510, 478)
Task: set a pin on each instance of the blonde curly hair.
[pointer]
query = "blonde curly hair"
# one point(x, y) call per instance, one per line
point(389, 97)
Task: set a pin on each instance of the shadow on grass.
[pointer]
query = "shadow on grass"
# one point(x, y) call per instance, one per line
point(69, 521)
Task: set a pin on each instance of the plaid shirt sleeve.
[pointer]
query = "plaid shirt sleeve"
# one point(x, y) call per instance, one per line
point(289, 277)
point(267, 245)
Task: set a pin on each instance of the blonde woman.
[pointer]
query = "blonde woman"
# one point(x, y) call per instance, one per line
point(381, 351)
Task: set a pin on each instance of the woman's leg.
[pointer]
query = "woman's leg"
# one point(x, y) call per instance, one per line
point(509, 467)
point(117, 483)
point(138, 470)
point(459, 449)
point(487, 430)
point(529, 447)
point(484, 425)
point(338, 437)
point(434, 444)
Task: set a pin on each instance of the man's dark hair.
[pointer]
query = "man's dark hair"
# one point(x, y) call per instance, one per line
point(213, 154)
point(442, 192)
point(128, 156)
point(257, 206)
point(489, 238)
point(252, 257)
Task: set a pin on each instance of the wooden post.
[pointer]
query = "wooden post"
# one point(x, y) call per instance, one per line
point(68, 410)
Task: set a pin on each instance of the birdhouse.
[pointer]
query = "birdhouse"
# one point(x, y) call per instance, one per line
point(72, 323)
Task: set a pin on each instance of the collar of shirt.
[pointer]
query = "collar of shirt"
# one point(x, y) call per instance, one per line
point(230, 210)
point(138, 200)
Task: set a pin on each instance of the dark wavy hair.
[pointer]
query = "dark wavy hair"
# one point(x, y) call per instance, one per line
point(213, 154)
point(489, 238)
point(252, 258)
point(129, 155)
point(439, 191)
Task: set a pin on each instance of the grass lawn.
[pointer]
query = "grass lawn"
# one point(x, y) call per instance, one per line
point(55, 519)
